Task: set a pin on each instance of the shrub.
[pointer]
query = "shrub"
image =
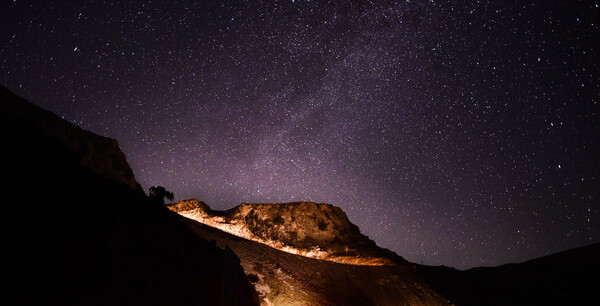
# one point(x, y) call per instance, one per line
point(278, 220)
point(322, 225)
point(159, 193)
point(253, 278)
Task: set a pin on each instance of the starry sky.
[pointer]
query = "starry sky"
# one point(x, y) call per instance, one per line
point(455, 133)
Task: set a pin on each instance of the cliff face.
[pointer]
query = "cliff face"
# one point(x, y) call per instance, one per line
point(302, 225)
point(83, 231)
point(97, 153)
point(313, 230)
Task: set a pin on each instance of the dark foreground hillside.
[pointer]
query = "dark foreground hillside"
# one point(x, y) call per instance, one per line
point(77, 228)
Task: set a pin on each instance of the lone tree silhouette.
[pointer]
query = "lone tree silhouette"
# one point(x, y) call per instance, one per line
point(159, 193)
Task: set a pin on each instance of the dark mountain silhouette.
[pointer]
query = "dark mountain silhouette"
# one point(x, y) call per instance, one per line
point(565, 278)
point(78, 229)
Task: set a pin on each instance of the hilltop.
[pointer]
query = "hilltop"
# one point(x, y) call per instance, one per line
point(314, 230)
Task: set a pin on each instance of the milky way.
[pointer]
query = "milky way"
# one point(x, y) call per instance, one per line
point(462, 135)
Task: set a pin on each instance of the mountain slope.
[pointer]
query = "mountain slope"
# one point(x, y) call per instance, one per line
point(309, 254)
point(288, 279)
point(78, 229)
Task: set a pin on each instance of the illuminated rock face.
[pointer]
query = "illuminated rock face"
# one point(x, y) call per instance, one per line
point(281, 278)
point(313, 230)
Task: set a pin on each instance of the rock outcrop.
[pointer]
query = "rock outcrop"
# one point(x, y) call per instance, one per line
point(321, 231)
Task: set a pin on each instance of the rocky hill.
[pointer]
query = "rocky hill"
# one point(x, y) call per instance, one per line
point(282, 278)
point(78, 229)
point(309, 254)
point(320, 231)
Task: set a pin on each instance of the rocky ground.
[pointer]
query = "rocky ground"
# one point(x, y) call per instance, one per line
point(282, 278)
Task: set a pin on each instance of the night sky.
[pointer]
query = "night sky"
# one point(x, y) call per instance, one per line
point(462, 135)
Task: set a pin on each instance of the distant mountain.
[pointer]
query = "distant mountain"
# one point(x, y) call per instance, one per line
point(565, 278)
point(78, 230)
